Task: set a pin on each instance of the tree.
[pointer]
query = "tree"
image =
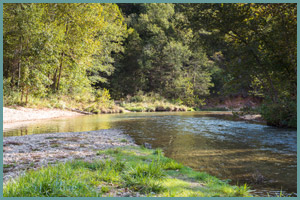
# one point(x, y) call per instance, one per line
point(258, 45)
point(60, 47)
point(159, 54)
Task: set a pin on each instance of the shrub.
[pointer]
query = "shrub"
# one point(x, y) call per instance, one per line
point(103, 97)
point(282, 114)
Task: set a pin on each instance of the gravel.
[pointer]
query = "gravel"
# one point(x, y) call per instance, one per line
point(34, 151)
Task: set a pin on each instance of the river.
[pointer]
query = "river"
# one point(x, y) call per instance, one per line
point(241, 152)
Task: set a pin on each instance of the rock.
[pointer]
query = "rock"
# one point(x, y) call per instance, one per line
point(160, 109)
point(147, 145)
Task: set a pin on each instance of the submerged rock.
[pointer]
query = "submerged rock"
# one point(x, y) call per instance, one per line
point(147, 145)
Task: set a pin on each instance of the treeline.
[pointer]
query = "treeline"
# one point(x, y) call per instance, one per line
point(184, 52)
point(59, 48)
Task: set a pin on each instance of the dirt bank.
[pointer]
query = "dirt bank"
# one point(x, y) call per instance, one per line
point(232, 103)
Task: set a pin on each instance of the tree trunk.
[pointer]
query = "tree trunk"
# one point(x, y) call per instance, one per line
point(54, 80)
point(19, 63)
point(19, 69)
point(22, 93)
point(60, 71)
point(26, 95)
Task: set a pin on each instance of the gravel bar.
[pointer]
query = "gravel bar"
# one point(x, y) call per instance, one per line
point(34, 151)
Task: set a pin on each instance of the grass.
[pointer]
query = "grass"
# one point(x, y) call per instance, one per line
point(84, 102)
point(54, 145)
point(157, 106)
point(151, 102)
point(8, 165)
point(134, 169)
point(213, 109)
point(88, 102)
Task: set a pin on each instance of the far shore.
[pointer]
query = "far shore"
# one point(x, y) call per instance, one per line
point(19, 116)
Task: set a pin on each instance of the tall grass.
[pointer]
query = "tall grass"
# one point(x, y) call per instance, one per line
point(53, 181)
point(151, 102)
point(84, 102)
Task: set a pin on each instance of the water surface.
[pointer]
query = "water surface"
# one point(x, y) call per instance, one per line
point(244, 152)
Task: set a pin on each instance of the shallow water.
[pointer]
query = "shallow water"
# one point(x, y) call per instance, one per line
point(261, 156)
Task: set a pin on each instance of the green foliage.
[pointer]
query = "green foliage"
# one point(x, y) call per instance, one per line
point(159, 55)
point(102, 97)
point(59, 48)
point(105, 189)
point(282, 114)
point(189, 97)
point(151, 102)
point(251, 43)
point(213, 109)
point(169, 164)
point(158, 152)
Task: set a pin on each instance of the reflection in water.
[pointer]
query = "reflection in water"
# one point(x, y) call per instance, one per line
point(262, 156)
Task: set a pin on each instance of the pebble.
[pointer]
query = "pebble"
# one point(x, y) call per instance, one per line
point(35, 151)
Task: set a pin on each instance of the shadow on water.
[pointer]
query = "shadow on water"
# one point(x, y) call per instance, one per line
point(261, 156)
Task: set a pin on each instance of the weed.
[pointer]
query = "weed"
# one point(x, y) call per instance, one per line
point(170, 164)
point(50, 138)
point(124, 140)
point(8, 165)
point(54, 145)
point(241, 190)
point(35, 149)
point(158, 152)
point(105, 189)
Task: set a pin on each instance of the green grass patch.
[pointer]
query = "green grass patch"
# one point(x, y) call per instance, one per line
point(54, 145)
point(136, 169)
point(8, 165)
point(152, 102)
point(213, 109)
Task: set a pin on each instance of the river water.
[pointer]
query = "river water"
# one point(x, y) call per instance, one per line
point(241, 152)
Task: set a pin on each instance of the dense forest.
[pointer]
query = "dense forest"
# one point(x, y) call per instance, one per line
point(181, 53)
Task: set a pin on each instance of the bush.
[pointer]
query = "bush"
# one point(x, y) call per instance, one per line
point(282, 114)
point(103, 97)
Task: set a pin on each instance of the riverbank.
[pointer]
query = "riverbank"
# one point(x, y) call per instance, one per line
point(34, 151)
point(21, 114)
point(102, 163)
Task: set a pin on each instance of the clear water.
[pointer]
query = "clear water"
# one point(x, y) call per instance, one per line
point(264, 157)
